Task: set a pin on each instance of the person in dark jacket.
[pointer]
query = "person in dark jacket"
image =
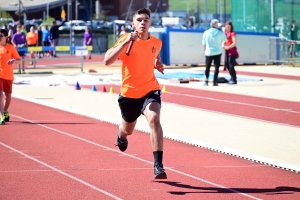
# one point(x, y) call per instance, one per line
point(54, 35)
point(40, 39)
point(294, 36)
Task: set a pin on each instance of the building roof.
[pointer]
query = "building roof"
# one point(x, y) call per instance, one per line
point(30, 6)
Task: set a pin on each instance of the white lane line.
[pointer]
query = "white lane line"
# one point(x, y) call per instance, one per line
point(30, 170)
point(236, 115)
point(137, 158)
point(124, 169)
point(178, 138)
point(235, 102)
point(61, 172)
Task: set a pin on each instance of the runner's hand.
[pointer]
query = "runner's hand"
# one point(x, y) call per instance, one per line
point(132, 36)
point(11, 61)
point(159, 67)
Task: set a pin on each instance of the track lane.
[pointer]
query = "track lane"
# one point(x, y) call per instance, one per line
point(268, 75)
point(111, 169)
point(269, 110)
point(26, 177)
point(126, 162)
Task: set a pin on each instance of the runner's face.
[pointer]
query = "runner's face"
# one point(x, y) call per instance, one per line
point(228, 27)
point(141, 23)
point(2, 38)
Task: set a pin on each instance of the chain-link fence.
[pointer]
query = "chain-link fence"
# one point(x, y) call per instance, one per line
point(266, 15)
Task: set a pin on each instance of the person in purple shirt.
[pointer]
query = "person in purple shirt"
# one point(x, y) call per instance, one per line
point(87, 40)
point(19, 41)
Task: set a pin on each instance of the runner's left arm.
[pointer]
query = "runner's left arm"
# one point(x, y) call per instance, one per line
point(158, 65)
point(16, 57)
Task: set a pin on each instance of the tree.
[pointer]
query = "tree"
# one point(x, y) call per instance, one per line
point(102, 15)
point(48, 21)
point(5, 17)
point(4, 14)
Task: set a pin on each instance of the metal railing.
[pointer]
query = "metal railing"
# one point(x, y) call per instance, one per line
point(283, 51)
point(79, 51)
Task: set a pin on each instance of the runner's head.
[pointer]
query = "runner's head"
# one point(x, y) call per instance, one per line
point(19, 28)
point(141, 20)
point(229, 26)
point(3, 35)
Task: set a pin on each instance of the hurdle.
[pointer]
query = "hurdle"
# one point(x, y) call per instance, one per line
point(80, 52)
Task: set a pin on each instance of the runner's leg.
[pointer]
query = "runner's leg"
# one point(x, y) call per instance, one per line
point(7, 101)
point(152, 114)
point(126, 129)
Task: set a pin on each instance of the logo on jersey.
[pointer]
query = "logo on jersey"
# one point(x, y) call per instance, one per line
point(153, 50)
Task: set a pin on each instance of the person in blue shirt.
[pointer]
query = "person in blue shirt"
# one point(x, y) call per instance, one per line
point(213, 42)
point(46, 36)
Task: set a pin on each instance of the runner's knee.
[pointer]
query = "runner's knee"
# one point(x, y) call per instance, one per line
point(7, 97)
point(153, 119)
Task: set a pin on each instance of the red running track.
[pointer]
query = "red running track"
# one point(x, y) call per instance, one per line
point(268, 75)
point(51, 154)
point(265, 109)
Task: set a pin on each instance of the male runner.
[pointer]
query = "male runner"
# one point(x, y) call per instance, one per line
point(140, 91)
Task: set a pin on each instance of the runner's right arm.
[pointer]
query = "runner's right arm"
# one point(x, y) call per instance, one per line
point(113, 53)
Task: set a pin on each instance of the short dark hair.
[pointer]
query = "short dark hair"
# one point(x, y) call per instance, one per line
point(142, 11)
point(54, 22)
point(4, 32)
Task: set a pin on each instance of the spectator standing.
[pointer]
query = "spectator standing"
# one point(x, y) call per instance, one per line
point(46, 37)
point(123, 31)
point(10, 33)
point(32, 41)
point(87, 40)
point(9, 56)
point(294, 36)
point(24, 29)
point(54, 35)
point(40, 39)
point(213, 40)
point(231, 53)
point(19, 41)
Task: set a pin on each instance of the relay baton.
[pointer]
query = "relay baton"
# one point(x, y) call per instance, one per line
point(129, 48)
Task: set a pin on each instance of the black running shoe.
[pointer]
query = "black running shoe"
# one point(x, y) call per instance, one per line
point(122, 144)
point(159, 172)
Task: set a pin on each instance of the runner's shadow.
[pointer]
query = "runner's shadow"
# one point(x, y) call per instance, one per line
point(269, 191)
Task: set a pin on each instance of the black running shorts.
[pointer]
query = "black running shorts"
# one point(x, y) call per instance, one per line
point(131, 108)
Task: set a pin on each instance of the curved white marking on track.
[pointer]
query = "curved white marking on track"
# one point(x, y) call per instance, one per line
point(61, 172)
point(132, 156)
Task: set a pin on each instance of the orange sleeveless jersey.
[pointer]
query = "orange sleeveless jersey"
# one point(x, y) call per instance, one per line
point(138, 77)
point(7, 52)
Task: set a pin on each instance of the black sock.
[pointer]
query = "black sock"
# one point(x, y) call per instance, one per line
point(158, 156)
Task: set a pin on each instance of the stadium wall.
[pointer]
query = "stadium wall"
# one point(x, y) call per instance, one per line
point(185, 46)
